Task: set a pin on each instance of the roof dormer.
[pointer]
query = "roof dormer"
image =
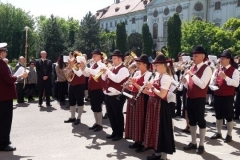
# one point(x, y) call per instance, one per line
point(117, 9)
point(127, 6)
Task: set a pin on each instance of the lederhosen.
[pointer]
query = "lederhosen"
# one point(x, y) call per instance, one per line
point(135, 118)
point(158, 128)
point(95, 92)
point(196, 98)
point(76, 91)
point(224, 97)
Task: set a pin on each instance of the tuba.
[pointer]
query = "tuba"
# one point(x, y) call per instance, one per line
point(69, 74)
point(129, 59)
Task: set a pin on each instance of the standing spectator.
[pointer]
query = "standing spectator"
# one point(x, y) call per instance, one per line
point(7, 94)
point(54, 82)
point(20, 82)
point(61, 80)
point(44, 73)
point(10, 67)
point(32, 80)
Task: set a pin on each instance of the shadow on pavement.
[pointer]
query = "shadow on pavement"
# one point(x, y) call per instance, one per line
point(47, 109)
point(11, 156)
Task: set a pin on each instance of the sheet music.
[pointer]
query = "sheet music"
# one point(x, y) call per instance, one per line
point(20, 71)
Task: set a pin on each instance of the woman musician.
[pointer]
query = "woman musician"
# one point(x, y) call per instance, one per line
point(135, 120)
point(158, 128)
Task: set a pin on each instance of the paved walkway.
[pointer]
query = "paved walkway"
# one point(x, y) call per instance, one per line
point(40, 134)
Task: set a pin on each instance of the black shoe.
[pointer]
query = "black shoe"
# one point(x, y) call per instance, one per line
point(153, 157)
point(70, 120)
point(228, 139)
point(39, 105)
point(200, 150)
point(190, 146)
point(77, 122)
point(98, 128)
point(105, 116)
point(48, 105)
point(9, 148)
point(134, 145)
point(236, 118)
point(93, 127)
point(206, 103)
point(117, 138)
point(216, 136)
point(110, 136)
point(212, 109)
point(87, 99)
point(140, 149)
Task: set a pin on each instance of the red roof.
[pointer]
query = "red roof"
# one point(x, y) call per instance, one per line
point(124, 7)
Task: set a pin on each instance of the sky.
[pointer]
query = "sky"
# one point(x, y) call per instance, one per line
point(62, 8)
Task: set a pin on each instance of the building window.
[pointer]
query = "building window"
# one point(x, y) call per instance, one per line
point(155, 31)
point(102, 25)
point(198, 6)
point(198, 19)
point(217, 5)
point(133, 21)
point(238, 3)
point(155, 13)
point(106, 25)
point(145, 19)
point(165, 28)
point(126, 21)
point(217, 24)
point(115, 23)
point(166, 11)
point(110, 24)
point(179, 9)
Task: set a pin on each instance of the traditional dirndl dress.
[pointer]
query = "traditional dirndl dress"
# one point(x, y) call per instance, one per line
point(136, 114)
point(158, 127)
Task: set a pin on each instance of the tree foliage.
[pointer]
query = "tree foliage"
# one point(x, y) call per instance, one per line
point(134, 43)
point(107, 41)
point(147, 40)
point(174, 35)
point(121, 41)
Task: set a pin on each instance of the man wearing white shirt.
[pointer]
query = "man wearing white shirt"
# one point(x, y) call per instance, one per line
point(95, 91)
point(76, 91)
point(226, 79)
point(115, 78)
point(197, 84)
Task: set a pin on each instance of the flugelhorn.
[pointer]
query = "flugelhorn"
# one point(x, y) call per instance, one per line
point(69, 74)
point(96, 77)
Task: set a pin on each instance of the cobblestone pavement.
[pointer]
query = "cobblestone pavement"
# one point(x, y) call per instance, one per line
point(40, 134)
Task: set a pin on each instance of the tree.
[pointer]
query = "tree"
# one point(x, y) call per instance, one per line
point(174, 36)
point(147, 40)
point(135, 43)
point(88, 36)
point(121, 40)
point(13, 20)
point(107, 41)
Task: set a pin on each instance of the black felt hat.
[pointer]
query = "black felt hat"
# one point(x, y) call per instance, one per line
point(227, 54)
point(199, 50)
point(127, 53)
point(143, 58)
point(161, 59)
point(97, 51)
point(118, 53)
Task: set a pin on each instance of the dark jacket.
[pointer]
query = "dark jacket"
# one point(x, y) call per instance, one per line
point(44, 69)
point(7, 83)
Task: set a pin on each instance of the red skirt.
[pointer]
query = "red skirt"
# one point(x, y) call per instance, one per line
point(135, 118)
point(152, 123)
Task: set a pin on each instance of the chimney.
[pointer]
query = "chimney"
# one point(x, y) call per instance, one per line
point(117, 1)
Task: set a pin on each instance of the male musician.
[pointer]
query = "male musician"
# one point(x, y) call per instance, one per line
point(6, 61)
point(76, 91)
point(115, 78)
point(197, 84)
point(95, 91)
point(20, 82)
point(7, 94)
point(226, 79)
point(44, 78)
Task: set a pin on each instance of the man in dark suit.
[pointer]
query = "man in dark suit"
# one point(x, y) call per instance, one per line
point(44, 73)
point(7, 94)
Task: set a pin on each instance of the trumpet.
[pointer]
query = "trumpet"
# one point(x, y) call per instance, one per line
point(96, 77)
point(125, 85)
point(133, 102)
point(129, 59)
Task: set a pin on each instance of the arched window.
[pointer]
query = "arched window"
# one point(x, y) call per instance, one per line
point(238, 3)
point(133, 21)
point(165, 28)
point(155, 31)
point(217, 5)
point(145, 19)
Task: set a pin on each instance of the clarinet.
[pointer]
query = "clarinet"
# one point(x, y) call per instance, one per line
point(133, 102)
point(125, 84)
